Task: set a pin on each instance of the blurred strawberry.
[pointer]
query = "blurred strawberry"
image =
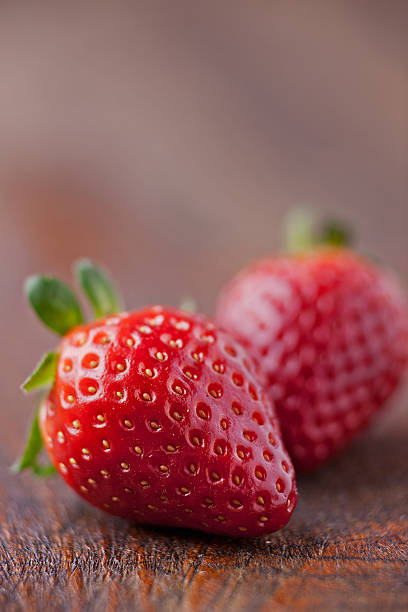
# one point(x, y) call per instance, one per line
point(328, 329)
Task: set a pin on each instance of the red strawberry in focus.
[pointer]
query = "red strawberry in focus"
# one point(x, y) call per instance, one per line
point(329, 330)
point(157, 416)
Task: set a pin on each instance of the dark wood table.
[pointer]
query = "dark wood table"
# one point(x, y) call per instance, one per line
point(346, 548)
point(167, 140)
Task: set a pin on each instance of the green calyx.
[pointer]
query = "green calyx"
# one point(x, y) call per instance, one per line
point(334, 234)
point(54, 303)
point(58, 308)
point(32, 451)
point(303, 232)
point(98, 288)
point(43, 374)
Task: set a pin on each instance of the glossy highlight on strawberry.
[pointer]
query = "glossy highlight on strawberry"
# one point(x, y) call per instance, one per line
point(329, 331)
point(158, 416)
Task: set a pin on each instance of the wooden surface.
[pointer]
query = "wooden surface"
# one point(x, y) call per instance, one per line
point(345, 548)
point(167, 140)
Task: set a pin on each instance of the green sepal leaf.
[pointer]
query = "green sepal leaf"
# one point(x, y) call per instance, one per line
point(98, 288)
point(299, 230)
point(54, 303)
point(304, 232)
point(335, 234)
point(44, 373)
point(33, 449)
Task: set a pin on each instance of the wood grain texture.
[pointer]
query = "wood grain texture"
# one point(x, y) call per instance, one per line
point(168, 140)
point(346, 548)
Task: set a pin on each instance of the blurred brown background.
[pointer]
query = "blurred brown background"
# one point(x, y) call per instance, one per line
point(168, 139)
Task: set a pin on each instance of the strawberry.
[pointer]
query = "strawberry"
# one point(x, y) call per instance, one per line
point(158, 416)
point(329, 330)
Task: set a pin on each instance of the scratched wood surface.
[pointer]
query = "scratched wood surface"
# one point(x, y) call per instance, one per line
point(167, 140)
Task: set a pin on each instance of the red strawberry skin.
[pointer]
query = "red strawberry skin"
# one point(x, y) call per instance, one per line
point(329, 331)
point(158, 417)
